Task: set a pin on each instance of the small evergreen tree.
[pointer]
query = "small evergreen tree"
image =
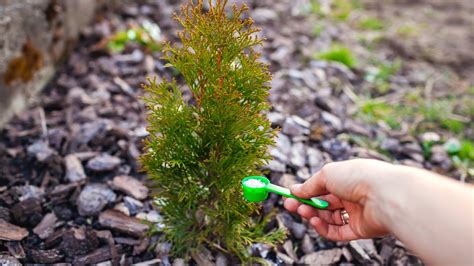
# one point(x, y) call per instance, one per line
point(199, 151)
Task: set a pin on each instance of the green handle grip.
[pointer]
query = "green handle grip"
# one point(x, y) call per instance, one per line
point(315, 202)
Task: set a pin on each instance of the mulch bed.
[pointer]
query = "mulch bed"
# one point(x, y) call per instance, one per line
point(70, 186)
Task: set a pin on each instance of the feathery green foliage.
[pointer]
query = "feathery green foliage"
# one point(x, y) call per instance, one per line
point(198, 151)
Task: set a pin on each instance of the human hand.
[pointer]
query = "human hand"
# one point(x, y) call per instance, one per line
point(352, 185)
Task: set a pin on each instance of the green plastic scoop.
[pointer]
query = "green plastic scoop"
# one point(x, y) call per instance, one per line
point(256, 189)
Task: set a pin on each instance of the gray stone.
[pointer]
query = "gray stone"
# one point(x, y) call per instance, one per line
point(307, 244)
point(74, 170)
point(40, 150)
point(298, 155)
point(428, 137)
point(323, 257)
point(332, 120)
point(391, 145)
point(30, 191)
point(276, 118)
point(295, 126)
point(103, 162)
point(131, 186)
point(303, 173)
point(276, 166)
point(315, 159)
point(298, 230)
point(93, 198)
point(46, 227)
point(262, 15)
point(133, 205)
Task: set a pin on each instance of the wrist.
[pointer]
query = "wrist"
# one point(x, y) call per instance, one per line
point(390, 195)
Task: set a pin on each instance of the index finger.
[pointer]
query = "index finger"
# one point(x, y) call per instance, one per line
point(314, 186)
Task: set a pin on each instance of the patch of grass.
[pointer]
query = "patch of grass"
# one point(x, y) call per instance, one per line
point(407, 31)
point(318, 28)
point(341, 9)
point(147, 35)
point(380, 74)
point(371, 23)
point(340, 54)
point(372, 111)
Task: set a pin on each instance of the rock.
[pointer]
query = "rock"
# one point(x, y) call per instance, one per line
point(412, 147)
point(203, 257)
point(440, 156)
point(151, 263)
point(221, 259)
point(288, 247)
point(74, 170)
point(16, 249)
point(179, 262)
point(276, 118)
point(337, 149)
point(30, 191)
point(323, 257)
point(430, 137)
point(79, 241)
point(361, 250)
point(392, 145)
point(130, 186)
point(93, 198)
point(286, 180)
point(307, 244)
point(356, 128)
point(298, 155)
point(122, 208)
point(287, 260)
point(28, 212)
point(103, 162)
point(282, 148)
point(276, 166)
point(315, 159)
point(40, 150)
point(262, 249)
point(9, 260)
point(116, 220)
point(347, 254)
point(46, 227)
point(133, 205)
point(46, 256)
point(332, 120)
point(11, 232)
point(295, 126)
point(303, 173)
point(262, 15)
point(298, 230)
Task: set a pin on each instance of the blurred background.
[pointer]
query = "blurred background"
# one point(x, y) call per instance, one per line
point(390, 80)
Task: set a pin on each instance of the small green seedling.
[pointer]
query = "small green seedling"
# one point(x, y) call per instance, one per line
point(256, 189)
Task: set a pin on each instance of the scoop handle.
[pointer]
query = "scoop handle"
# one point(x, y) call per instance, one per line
point(315, 202)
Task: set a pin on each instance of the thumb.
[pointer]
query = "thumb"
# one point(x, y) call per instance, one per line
point(314, 186)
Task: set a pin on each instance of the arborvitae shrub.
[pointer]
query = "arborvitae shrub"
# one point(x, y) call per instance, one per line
point(198, 151)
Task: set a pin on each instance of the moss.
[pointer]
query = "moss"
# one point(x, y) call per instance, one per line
point(371, 23)
point(340, 54)
point(23, 67)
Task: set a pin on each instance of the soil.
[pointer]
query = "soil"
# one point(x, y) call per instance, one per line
point(70, 186)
